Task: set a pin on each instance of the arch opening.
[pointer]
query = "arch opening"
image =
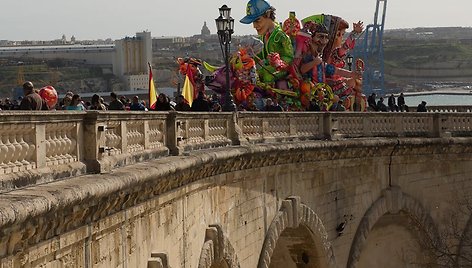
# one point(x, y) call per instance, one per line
point(296, 248)
point(395, 241)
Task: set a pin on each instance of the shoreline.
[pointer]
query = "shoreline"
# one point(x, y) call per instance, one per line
point(450, 91)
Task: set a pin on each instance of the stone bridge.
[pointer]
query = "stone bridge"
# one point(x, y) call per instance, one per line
point(145, 189)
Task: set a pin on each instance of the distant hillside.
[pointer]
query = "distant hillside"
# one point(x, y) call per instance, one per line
point(436, 33)
point(427, 60)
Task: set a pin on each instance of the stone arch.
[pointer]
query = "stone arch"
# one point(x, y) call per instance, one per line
point(293, 215)
point(393, 200)
point(217, 251)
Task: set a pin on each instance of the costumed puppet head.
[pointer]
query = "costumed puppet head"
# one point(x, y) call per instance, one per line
point(261, 15)
point(254, 10)
point(336, 27)
point(319, 37)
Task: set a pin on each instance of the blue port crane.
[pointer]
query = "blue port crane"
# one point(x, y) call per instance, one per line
point(370, 49)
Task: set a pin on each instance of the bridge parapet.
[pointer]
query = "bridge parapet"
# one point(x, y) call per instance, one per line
point(450, 108)
point(45, 146)
point(40, 147)
point(118, 139)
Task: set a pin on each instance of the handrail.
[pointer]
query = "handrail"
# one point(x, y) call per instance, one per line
point(44, 146)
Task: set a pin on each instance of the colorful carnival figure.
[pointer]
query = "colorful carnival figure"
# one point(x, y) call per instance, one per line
point(317, 71)
point(242, 72)
point(343, 82)
point(349, 89)
point(262, 15)
point(291, 26)
point(339, 50)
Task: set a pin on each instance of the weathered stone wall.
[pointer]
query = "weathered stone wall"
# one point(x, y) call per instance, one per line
point(162, 211)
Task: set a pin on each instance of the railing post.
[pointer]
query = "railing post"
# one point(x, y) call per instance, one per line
point(171, 133)
point(367, 126)
point(40, 141)
point(92, 137)
point(293, 127)
point(234, 131)
point(79, 136)
point(439, 126)
point(399, 128)
point(330, 125)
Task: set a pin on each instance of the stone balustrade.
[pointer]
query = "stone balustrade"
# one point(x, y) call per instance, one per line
point(40, 147)
point(449, 108)
point(44, 146)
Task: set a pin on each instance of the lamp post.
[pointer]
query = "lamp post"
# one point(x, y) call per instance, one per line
point(225, 27)
point(349, 61)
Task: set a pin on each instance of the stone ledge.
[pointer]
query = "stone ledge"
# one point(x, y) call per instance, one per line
point(40, 212)
point(12, 181)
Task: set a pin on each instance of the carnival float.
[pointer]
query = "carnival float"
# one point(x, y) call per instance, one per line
point(312, 77)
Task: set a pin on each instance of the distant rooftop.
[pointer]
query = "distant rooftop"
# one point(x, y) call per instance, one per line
point(62, 48)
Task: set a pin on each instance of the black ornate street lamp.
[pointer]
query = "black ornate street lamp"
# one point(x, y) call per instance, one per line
point(349, 61)
point(225, 27)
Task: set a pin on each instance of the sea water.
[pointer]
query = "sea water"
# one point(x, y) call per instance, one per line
point(438, 99)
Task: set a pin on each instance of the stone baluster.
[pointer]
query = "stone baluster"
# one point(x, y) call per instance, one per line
point(147, 135)
point(61, 144)
point(3, 152)
point(18, 148)
point(11, 151)
point(68, 146)
point(53, 149)
point(123, 135)
point(205, 129)
point(66, 133)
point(47, 142)
point(24, 130)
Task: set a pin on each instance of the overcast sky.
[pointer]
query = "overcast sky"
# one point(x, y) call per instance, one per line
point(101, 19)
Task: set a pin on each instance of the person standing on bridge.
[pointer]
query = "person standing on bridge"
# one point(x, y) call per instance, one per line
point(32, 101)
point(401, 102)
point(392, 106)
point(422, 107)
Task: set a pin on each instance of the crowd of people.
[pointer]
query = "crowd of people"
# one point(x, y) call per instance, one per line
point(393, 105)
point(73, 102)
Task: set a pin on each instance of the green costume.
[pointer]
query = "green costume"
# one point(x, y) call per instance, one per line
point(279, 42)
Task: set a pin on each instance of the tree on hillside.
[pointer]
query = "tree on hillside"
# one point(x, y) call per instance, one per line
point(451, 245)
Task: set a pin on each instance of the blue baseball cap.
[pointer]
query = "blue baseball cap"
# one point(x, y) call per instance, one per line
point(255, 9)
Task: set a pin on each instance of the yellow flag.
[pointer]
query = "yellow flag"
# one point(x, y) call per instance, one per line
point(188, 90)
point(152, 90)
